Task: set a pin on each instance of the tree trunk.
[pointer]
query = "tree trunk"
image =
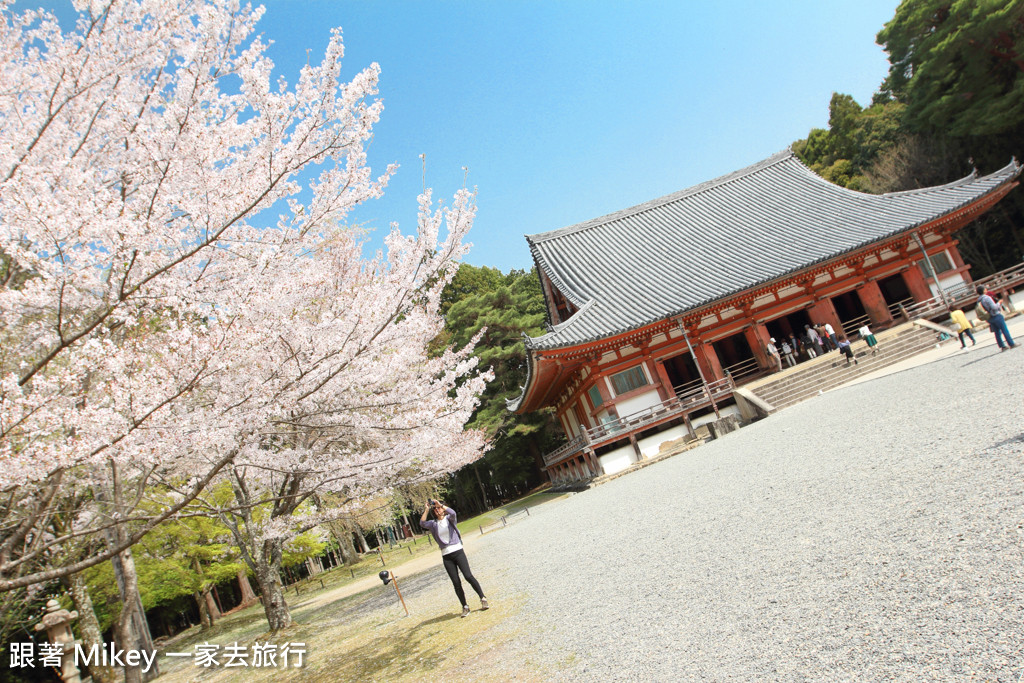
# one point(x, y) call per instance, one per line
point(483, 492)
point(205, 621)
point(208, 612)
point(131, 628)
point(348, 549)
point(211, 604)
point(248, 596)
point(274, 605)
point(362, 541)
point(268, 576)
point(538, 457)
point(88, 626)
point(216, 599)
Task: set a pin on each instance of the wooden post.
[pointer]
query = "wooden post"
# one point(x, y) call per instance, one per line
point(703, 380)
point(394, 580)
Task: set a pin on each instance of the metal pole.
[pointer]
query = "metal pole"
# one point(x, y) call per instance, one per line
point(700, 372)
point(931, 268)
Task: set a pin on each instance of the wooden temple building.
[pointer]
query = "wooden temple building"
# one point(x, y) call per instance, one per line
point(658, 310)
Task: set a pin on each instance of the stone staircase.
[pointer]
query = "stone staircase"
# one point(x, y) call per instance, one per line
point(799, 383)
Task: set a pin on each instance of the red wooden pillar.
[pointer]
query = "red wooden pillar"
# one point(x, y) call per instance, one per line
point(706, 357)
point(916, 283)
point(874, 303)
point(822, 311)
point(665, 390)
point(757, 338)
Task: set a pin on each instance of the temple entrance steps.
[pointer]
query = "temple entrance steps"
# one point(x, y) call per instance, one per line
point(829, 371)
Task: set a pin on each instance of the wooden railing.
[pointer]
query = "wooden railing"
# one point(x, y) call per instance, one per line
point(897, 309)
point(851, 326)
point(964, 294)
point(691, 398)
point(929, 308)
point(574, 446)
point(742, 369)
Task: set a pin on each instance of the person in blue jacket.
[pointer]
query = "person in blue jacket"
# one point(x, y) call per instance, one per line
point(996, 319)
point(446, 533)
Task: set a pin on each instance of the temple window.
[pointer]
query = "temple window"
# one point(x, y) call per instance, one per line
point(940, 261)
point(627, 380)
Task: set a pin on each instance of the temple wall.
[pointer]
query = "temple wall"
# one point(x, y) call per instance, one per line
point(618, 460)
point(635, 404)
point(948, 281)
point(651, 445)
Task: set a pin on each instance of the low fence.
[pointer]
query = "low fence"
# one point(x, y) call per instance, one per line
point(380, 556)
point(503, 522)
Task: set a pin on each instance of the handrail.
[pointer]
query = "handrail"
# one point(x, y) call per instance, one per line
point(559, 453)
point(851, 326)
point(686, 387)
point(965, 292)
point(685, 401)
point(742, 368)
point(896, 309)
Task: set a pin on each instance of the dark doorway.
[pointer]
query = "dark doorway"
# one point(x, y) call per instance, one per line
point(848, 307)
point(787, 325)
point(894, 290)
point(735, 355)
point(681, 371)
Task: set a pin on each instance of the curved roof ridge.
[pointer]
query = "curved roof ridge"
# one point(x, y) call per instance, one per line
point(666, 199)
point(1013, 165)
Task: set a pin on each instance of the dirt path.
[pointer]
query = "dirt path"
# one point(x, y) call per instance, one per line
point(403, 570)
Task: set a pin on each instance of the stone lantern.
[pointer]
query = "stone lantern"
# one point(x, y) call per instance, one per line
point(57, 623)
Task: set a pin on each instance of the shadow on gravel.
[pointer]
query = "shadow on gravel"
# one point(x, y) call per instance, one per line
point(376, 599)
point(1007, 442)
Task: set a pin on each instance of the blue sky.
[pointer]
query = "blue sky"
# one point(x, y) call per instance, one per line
point(563, 111)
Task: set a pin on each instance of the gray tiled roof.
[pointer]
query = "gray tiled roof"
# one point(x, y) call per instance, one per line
point(687, 249)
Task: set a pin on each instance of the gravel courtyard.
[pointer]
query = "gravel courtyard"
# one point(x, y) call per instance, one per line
point(872, 533)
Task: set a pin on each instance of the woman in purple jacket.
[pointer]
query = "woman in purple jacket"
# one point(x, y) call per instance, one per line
point(454, 557)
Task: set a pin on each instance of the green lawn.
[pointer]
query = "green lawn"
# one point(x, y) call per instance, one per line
point(491, 516)
point(370, 564)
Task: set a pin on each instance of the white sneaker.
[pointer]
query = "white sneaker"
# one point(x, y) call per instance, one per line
point(465, 610)
point(483, 604)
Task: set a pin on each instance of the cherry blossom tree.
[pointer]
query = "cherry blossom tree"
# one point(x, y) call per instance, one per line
point(361, 405)
point(159, 329)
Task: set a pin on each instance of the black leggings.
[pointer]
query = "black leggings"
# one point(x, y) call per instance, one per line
point(453, 562)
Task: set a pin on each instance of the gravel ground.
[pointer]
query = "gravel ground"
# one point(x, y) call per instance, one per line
point(872, 533)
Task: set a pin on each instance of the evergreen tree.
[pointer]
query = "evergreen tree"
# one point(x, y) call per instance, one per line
point(958, 66)
point(953, 102)
point(506, 307)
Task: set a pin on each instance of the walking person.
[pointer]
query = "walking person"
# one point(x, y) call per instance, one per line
point(963, 327)
point(866, 335)
point(844, 347)
point(446, 533)
point(996, 320)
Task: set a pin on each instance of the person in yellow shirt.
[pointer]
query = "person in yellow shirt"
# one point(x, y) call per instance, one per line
point(963, 327)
